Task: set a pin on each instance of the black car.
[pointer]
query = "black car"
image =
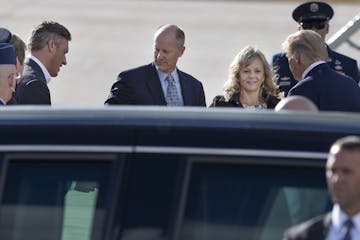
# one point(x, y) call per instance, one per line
point(120, 173)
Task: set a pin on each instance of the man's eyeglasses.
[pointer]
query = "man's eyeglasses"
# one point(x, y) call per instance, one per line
point(312, 25)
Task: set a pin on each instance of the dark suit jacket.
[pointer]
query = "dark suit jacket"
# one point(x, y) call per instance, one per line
point(141, 86)
point(219, 101)
point(314, 229)
point(32, 88)
point(338, 62)
point(329, 90)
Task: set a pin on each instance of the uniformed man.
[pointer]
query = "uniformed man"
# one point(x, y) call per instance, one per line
point(314, 16)
point(7, 72)
point(5, 35)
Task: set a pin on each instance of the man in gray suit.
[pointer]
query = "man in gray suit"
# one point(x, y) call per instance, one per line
point(343, 178)
point(48, 46)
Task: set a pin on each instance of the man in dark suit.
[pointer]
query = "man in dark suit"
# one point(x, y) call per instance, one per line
point(314, 16)
point(48, 46)
point(7, 72)
point(160, 82)
point(343, 178)
point(328, 89)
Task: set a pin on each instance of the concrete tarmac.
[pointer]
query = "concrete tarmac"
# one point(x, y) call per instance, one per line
point(110, 36)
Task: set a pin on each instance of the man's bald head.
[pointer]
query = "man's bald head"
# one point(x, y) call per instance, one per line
point(296, 103)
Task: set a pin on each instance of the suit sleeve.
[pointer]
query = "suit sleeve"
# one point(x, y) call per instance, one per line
point(355, 73)
point(121, 92)
point(202, 101)
point(35, 92)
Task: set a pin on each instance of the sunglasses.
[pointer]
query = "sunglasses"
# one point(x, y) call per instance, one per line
point(312, 25)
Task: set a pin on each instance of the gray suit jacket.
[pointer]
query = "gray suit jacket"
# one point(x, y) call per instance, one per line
point(32, 88)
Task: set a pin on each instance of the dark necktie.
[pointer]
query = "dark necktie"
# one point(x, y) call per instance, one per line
point(172, 96)
point(348, 225)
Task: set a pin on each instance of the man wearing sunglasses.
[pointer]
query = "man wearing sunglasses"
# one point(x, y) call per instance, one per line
point(314, 16)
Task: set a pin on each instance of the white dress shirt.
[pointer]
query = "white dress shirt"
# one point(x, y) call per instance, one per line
point(338, 217)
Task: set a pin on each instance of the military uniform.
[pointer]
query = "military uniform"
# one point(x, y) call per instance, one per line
point(313, 15)
point(5, 35)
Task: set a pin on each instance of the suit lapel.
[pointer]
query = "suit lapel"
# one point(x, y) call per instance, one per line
point(154, 85)
point(33, 66)
point(326, 224)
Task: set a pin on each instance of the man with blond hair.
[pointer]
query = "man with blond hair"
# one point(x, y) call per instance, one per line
point(315, 16)
point(296, 103)
point(329, 90)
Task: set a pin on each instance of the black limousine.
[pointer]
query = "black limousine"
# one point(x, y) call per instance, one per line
point(144, 173)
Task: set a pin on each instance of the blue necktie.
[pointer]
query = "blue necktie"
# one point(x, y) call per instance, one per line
point(172, 96)
point(348, 225)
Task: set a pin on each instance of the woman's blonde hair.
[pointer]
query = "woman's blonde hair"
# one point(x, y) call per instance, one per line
point(243, 59)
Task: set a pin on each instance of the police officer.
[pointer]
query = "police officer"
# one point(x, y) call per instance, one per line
point(314, 16)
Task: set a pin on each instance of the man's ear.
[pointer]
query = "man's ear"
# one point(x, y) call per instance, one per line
point(327, 28)
point(51, 45)
point(297, 58)
point(182, 50)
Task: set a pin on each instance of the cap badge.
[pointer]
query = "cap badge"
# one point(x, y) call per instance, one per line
point(314, 7)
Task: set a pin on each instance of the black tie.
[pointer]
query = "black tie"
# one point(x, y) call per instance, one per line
point(348, 225)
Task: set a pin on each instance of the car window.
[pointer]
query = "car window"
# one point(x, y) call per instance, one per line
point(55, 199)
point(244, 201)
point(152, 184)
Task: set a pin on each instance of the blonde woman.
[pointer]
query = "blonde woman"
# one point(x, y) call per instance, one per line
point(250, 84)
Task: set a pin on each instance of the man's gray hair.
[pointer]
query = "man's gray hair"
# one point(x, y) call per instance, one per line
point(46, 31)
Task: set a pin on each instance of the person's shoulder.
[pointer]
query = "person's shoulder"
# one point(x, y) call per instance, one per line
point(279, 55)
point(340, 57)
point(29, 74)
point(220, 101)
point(138, 69)
point(310, 229)
point(272, 101)
point(137, 74)
point(188, 77)
point(279, 59)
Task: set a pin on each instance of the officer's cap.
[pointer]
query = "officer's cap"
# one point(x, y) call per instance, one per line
point(5, 35)
point(7, 54)
point(313, 12)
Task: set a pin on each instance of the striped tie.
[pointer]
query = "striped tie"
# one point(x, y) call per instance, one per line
point(172, 97)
